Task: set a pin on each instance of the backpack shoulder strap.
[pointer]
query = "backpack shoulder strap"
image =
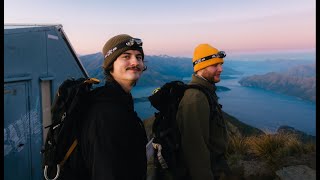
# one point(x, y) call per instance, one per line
point(211, 100)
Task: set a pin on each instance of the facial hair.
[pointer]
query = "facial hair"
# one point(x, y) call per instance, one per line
point(137, 67)
point(209, 76)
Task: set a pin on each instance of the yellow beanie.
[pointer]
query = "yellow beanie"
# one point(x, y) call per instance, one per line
point(204, 50)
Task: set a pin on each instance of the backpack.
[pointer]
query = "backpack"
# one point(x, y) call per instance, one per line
point(68, 105)
point(166, 138)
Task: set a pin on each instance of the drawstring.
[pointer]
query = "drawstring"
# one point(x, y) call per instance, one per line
point(163, 163)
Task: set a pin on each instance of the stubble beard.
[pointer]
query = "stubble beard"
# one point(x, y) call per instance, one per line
point(211, 77)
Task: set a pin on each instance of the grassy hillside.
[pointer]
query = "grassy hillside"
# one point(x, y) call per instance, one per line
point(253, 154)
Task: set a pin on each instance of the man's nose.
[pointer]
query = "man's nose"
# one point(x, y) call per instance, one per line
point(134, 60)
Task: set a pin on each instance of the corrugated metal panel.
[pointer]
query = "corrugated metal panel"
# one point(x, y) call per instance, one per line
point(17, 135)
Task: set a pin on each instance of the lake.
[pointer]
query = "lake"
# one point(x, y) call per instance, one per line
point(263, 109)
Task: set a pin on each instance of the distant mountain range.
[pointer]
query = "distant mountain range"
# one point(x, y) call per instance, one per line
point(294, 78)
point(161, 69)
point(297, 81)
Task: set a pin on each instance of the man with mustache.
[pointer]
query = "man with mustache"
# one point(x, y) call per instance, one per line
point(203, 132)
point(113, 139)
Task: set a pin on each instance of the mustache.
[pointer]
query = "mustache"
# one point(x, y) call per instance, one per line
point(134, 68)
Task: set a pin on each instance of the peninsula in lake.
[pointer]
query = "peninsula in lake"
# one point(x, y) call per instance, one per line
point(299, 81)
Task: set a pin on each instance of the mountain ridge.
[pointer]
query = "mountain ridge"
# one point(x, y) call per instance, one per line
point(299, 81)
point(161, 69)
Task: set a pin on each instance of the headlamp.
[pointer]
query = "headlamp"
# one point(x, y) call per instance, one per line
point(220, 54)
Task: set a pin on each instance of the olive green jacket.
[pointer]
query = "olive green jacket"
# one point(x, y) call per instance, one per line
point(203, 140)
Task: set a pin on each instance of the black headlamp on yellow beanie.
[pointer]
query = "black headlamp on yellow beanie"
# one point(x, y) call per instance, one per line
point(206, 55)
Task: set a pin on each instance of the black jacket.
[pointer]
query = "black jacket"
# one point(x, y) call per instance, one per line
point(113, 139)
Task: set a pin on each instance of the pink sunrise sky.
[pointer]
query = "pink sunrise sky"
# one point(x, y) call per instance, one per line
point(175, 27)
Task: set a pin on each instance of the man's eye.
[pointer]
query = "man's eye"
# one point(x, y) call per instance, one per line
point(139, 58)
point(126, 56)
point(216, 65)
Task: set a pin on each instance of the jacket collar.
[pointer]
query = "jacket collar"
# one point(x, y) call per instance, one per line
point(116, 87)
point(113, 92)
point(198, 80)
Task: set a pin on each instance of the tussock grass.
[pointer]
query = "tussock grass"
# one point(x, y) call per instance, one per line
point(271, 148)
point(274, 147)
point(309, 147)
point(237, 149)
point(237, 145)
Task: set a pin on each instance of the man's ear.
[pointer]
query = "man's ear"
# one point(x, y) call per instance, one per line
point(199, 72)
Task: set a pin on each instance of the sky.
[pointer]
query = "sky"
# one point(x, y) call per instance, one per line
point(176, 27)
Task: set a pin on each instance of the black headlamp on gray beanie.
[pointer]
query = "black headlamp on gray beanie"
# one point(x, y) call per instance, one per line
point(115, 46)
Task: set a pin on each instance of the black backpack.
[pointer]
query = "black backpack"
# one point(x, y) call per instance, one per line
point(166, 136)
point(68, 107)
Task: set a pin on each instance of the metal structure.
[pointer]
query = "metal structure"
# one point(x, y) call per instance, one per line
point(37, 58)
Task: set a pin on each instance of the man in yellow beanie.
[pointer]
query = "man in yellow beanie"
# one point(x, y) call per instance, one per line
point(203, 132)
point(113, 138)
